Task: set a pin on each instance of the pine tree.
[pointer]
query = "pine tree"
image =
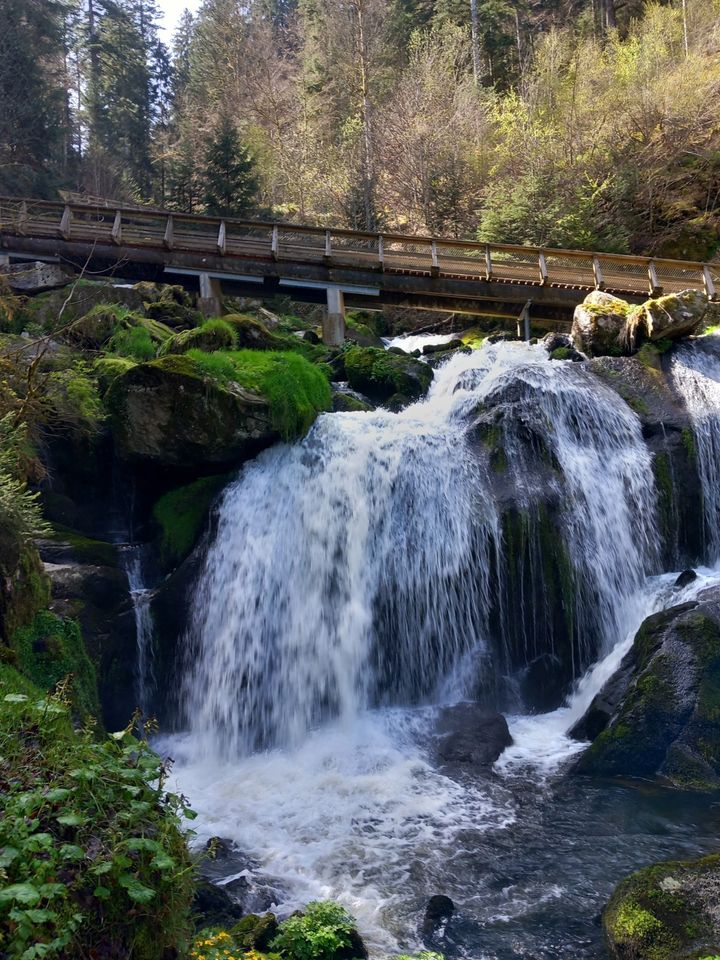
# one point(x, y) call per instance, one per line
point(229, 181)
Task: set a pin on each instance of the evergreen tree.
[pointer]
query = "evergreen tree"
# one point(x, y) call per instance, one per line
point(229, 182)
point(32, 96)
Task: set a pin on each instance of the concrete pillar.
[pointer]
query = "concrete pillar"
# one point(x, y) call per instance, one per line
point(334, 321)
point(210, 300)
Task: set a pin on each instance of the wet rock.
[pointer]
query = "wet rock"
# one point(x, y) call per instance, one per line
point(36, 276)
point(438, 911)
point(471, 736)
point(685, 578)
point(431, 348)
point(666, 318)
point(382, 374)
point(670, 910)
point(345, 400)
point(667, 719)
point(309, 336)
point(598, 324)
point(251, 333)
point(214, 907)
point(169, 413)
point(255, 932)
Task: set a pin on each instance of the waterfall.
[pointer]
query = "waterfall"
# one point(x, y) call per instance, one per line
point(140, 595)
point(695, 371)
point(356, 568)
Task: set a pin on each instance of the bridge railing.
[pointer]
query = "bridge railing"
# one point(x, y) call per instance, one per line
point(389, 253)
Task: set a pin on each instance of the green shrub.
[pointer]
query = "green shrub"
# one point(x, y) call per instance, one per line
point(93, 859)
point(296, 390)
point(134, 342)
point(181, 514)
point(20, 515)
point(318, 934)
point(51, 648)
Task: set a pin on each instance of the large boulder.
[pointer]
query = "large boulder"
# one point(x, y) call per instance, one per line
point(670, 911)
point(36, 276)
point(470, 735)
point(382, 375)
point(665, 701)
point(213, 335)
point(170, 413)
point(666, 318)
point(598, 324)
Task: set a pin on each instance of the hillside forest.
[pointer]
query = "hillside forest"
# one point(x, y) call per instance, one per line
point(577, 123)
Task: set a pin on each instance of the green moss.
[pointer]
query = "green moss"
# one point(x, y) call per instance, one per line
point(346, 403)
point(50, 649)
point(561, 353)
point(381, 374)
point(634, 923)
point(688, 439)
point(181, 514)
point(134, 342)
point(215, 334)
point(85, 549)
point(106, 369)
point(296, 390)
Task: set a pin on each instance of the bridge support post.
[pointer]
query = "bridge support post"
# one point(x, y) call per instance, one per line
point(334, 320)
point(210, 300)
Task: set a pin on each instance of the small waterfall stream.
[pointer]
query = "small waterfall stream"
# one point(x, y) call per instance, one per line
point(140, 594)
point(351, 589)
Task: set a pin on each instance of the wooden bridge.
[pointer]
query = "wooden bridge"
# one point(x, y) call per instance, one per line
point(361, 269)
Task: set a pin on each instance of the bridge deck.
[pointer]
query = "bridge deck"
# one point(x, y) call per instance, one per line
point(418, 271)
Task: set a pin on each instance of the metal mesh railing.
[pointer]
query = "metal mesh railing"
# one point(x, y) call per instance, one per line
point(567, 270)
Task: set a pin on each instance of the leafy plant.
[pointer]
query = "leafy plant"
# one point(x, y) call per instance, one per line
point(20, 515)
point(317, 934)
point(92, 855)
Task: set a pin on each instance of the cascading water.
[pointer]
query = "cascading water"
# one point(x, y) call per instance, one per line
point(695, 370)
point(141, 596)
point(350, 579)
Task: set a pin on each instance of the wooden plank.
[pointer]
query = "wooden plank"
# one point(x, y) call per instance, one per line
point(116, 232)
point(598, 274)
point(435, 268)
point(65, 222)
point(23, 218)
point(543, 267)
point(328, 246)
point(708, 283)
point(655, 287)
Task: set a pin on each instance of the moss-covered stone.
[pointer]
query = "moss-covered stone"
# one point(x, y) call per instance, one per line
point(381, 374)
point(181, 514)
point(666, 716)
point(347, 403)
point(216, 334)
point(106, 370)
point(666, 912)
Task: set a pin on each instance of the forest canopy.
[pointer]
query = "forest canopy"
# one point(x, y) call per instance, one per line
point(580, 123)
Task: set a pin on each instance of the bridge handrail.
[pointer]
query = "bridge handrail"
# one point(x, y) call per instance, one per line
point(163, 224)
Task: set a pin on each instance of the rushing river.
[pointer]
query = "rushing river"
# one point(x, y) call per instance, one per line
point(335, 614)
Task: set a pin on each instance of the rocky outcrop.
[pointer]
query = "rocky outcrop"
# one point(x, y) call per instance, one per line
point(666, 318)
point(604, 325)
point(169, 413)
point(213, 335)
point(384, 376)
point(470, 736)
point(670, 911)
point(36, 276)
point(662, 708)
point(598, 324)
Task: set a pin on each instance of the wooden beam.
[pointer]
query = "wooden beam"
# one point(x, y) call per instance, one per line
point(168, 238)
point(708, 283)
point(598, 274)
point(65, 222)
point(222, 239)
point(381, 252)
point(542, 263)
point(116, 232)
point(655, 287)
point(435, 268)
point(488, 263)
point(275, 243)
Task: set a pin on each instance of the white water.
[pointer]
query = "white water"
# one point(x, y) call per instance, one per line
point(416, 341)
point(695, 369)
point(384, 525)
point(145, 680)
point(356, 566)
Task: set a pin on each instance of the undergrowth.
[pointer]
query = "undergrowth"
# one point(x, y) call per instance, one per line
point(93, 862)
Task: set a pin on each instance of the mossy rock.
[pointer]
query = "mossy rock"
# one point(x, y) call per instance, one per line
point(107, 369)
point(52, 648)
point(213, 335)
point(380, 374)
point(173, 314)
point(666, 912)
point(251, 334)
point(599, 325)
point(97, 327)
point(43, 311)
point(255, 932)
point(181, 515)
point(347, 403)
point(24, 586)
point(666, 714)
point(172, 412)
